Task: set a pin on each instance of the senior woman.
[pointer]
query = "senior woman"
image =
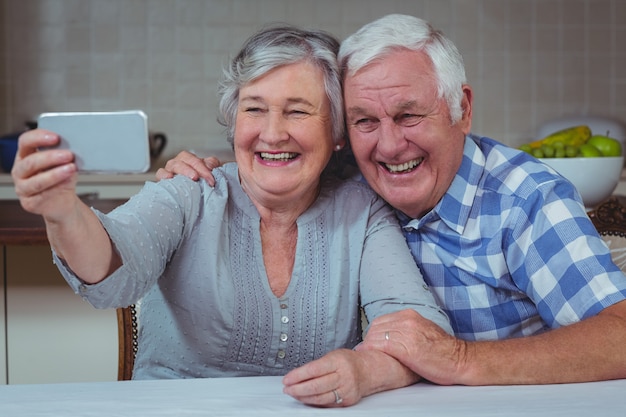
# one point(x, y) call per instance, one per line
point(263, 273)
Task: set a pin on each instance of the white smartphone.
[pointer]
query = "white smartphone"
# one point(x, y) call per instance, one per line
point(107, 142)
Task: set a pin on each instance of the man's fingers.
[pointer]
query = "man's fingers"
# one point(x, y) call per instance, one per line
point(163, 174)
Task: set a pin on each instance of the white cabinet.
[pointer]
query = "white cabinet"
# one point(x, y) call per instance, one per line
point(3, 341)
point(47, 333)
point(52, 335)
point(621, 185)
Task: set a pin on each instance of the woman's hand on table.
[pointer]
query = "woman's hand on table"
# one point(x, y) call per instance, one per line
point(342, 377)
point(191, 166)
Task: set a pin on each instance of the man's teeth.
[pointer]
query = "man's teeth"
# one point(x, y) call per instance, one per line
point(405, 167)
point(283, 156)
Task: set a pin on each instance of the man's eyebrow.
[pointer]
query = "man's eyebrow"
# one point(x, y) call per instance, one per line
point(355, 110)
point(411, 104)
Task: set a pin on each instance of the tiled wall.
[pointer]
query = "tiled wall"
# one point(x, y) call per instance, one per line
point(528, 60)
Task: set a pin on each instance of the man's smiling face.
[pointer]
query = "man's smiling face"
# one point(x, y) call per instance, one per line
point(401, 133)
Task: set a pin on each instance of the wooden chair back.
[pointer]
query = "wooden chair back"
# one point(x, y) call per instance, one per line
point(609, 218)
point(127, 338)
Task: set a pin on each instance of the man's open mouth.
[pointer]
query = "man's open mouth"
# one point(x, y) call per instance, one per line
point(403, 168)
point(282, 156)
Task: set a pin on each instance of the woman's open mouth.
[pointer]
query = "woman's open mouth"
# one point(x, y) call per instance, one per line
point(278, 157)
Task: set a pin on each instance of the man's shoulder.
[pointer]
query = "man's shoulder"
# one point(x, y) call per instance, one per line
point(514, 172)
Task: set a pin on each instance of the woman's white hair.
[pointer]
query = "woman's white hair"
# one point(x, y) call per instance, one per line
point(395, 31)
point(271, 48)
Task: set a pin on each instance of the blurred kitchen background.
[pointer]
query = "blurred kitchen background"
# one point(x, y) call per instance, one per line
point(528, 61)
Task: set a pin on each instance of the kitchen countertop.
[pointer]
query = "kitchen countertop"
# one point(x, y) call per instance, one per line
point(5, 178)
point(224, 155)
point(104, 186)
point(19, 227)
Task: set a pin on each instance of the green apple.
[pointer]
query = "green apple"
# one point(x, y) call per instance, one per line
point(589, 151)
point(606, 145)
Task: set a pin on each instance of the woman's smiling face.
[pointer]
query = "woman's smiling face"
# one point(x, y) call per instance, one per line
point(283, 136)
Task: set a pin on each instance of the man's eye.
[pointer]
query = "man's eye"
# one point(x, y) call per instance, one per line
point(365, 125)
point(408, 119)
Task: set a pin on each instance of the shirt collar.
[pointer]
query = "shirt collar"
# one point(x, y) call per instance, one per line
point(454, 207)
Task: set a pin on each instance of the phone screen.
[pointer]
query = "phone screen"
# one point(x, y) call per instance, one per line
point(108, 142)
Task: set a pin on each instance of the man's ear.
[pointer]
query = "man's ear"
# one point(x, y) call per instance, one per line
point(465, 123)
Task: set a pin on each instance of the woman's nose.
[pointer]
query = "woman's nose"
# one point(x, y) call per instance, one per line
point(274, 129)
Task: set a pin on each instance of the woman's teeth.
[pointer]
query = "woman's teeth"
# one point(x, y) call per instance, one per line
point(283, 156)
point(405, 167)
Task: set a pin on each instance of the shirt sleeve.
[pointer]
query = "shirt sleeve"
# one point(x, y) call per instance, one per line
point(145, 231)
point(390, 278)
point(559, 260)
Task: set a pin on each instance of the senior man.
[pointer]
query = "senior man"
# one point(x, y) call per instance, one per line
point(503, 241)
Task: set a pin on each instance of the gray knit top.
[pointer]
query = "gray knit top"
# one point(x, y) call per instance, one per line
point(192, 255)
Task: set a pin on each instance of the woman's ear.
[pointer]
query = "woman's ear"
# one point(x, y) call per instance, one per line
point(339, 146)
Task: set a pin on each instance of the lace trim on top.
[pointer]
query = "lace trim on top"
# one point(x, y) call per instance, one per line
point(256, 320)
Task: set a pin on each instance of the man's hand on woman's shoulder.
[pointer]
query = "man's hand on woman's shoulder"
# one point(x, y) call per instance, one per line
point(190, 165)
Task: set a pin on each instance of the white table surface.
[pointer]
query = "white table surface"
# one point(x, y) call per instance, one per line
point(262, 396)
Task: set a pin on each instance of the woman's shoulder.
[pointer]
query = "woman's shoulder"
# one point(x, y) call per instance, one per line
point(348, 197)
point(351, 203)
point(348, 189)
point(187, 191)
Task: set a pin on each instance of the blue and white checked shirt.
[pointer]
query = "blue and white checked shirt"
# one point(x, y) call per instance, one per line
point(509, 250)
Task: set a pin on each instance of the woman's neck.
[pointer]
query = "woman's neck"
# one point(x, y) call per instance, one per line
point(279, 234)
point(278, 244)
point(282, 211)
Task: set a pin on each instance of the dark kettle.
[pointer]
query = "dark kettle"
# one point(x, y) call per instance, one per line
point(157, 144)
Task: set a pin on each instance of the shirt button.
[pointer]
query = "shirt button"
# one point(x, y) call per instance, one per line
point(283, 306)
point(283, 337)
point(284, 319)
point(281, 354)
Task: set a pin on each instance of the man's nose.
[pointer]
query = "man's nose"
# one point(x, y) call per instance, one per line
point(391, 139)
